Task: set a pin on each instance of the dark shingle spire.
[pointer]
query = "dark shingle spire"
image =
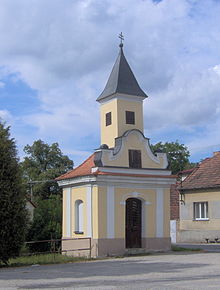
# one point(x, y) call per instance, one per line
point(121, 79)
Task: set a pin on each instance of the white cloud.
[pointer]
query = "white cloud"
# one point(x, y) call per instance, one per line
point(5, 116)
point(65, 50)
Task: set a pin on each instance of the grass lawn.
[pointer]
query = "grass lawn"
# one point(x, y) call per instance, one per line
point(42, 260)
point(182, 249)
point(45, 259)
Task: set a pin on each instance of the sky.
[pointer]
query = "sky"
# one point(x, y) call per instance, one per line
point(56, 56)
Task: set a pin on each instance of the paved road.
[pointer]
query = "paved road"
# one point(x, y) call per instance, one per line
point(161, 271)
point(215, 247)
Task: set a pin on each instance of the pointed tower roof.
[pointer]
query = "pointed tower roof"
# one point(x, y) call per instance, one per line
point(121, 80)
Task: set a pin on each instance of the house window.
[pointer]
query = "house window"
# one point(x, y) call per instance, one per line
point(200, 210)
point(108, 118)
point(134, 158)
point(78, 217)
point(130, 117)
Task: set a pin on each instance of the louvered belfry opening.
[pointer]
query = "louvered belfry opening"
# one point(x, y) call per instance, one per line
point(133, 223)
point(130, 117)
point(134, 158)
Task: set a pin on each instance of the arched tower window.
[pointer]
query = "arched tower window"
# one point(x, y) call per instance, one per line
point(79, 217)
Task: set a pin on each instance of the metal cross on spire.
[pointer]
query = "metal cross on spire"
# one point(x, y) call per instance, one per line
point(121, 36)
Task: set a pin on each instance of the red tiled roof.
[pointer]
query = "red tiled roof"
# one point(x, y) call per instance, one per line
point(82, 170)
point(186, 171)
point(206, 175)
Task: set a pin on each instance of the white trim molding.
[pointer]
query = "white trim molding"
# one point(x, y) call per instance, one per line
point(132, 171)
point(76, 180)
point(136, 195)
point(130, 98)
point(110, 212)
point(148, 182)
point(68, 212)
point(159, 213)
point(89, 210)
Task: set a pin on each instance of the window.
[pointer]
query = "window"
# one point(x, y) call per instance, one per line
point(78, 217)
point(200, 210)
point(134, 158)
point(130, 119)
point(108, 118)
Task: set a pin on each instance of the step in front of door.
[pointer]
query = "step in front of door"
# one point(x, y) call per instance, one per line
point(135, 251)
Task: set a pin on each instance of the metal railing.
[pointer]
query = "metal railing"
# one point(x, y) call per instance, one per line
point(55, 246)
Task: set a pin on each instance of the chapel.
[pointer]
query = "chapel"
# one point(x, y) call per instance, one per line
point(120, 196)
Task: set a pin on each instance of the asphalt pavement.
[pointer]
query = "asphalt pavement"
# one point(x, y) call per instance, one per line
point(159, 271)
point(207, 247)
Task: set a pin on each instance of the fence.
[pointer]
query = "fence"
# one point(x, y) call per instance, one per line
point(55, 246)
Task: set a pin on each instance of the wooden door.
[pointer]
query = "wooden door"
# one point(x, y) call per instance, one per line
point(133, 223)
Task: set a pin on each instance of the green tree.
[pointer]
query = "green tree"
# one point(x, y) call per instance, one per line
point(13, 214)
point(46, 224)
point(177, 154)
point(42, 165)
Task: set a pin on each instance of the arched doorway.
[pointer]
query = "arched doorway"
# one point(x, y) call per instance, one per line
point(133, 223)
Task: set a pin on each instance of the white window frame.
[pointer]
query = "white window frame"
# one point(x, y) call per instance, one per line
point(79, 217)
point(203, 216)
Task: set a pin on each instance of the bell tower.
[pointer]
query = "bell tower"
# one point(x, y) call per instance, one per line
point(121, 102)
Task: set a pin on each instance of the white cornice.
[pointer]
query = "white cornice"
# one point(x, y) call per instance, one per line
point(120, 181)
point(77, 181)
point(125, 97)
point(132, 171)
point(150, 181)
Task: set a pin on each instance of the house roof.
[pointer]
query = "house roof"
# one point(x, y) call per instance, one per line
point(85, 169)
point(205, 175)
point(82, 170)
point(121, 80)
point(186, 171)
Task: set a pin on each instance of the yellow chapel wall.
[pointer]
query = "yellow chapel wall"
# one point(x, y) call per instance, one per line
point(150, 219)
point(147, 195)
point(99, 211)
point(109, 133)
point(137, 108)
point(117, 107)
point(102, 212)
point(79, 193)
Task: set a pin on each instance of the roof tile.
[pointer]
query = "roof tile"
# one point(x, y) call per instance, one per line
point(82, 170)
point(205, 175)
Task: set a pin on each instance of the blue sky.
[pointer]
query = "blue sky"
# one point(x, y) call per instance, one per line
point(56, 57)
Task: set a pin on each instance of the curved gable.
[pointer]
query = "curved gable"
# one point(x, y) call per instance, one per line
point(119, 155)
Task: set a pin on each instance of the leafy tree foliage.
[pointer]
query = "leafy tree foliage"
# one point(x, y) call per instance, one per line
point(13, 214)
point(44, 163)
point(177, 154)
point(46, 224)
point(40, 167)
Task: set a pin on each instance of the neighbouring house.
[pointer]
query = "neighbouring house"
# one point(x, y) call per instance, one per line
point(120, 196)
point(175, 199)
point(200, 202)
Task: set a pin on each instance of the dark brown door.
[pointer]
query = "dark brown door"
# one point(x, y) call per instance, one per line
point(133, 223)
